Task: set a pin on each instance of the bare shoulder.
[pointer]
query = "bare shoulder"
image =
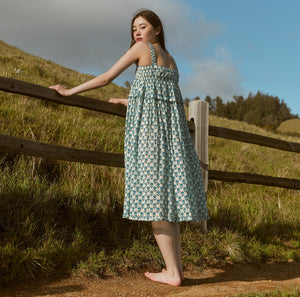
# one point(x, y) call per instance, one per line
point(141, 49)
point(140, 46)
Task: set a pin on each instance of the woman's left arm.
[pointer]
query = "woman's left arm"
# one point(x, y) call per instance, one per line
point(131, 56)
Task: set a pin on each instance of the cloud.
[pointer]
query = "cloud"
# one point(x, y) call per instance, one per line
point(92, 31)
point(217, 76)
point(91, 35)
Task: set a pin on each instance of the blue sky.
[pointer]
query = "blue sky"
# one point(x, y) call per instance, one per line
point(222, 47)
point(262, 38)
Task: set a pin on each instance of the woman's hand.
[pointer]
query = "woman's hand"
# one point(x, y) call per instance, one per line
point(62, 90)
point(118, 101)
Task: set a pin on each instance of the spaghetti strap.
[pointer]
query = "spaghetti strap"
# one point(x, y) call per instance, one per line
point(153, 54)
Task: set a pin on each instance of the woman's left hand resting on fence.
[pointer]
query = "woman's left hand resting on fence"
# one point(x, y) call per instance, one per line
point(62, 90)
point(118, 101)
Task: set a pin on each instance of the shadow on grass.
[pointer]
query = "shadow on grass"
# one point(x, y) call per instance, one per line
point(231, 218)
point(51, 235)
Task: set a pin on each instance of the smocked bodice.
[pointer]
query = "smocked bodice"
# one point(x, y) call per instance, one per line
point(156, 81)
point(156, 72)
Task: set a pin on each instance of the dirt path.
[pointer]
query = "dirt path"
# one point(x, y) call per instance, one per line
point(223, 281)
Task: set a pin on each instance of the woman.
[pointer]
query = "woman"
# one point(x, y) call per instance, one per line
point(163, 182)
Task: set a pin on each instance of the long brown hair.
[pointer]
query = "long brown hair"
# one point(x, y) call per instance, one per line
point(154, 20)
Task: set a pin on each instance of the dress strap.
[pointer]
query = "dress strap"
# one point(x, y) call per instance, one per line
point(153, 54)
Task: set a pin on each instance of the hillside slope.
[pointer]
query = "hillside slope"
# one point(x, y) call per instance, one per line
point(66, 126)
point(58, 218)
point(290, 127)
point(21, 65)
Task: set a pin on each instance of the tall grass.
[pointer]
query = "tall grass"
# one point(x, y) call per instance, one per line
point(58, 218)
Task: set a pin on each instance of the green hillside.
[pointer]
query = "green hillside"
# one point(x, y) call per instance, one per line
point(58, 218)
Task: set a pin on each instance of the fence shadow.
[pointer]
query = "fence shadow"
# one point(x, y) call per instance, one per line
point(277, 271)
point(231, 218)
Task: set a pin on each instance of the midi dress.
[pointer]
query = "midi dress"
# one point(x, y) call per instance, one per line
point(163, 178)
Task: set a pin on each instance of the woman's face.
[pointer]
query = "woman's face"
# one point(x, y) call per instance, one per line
point(142, 30)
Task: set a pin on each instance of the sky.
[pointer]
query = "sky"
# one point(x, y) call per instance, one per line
point(222, 48)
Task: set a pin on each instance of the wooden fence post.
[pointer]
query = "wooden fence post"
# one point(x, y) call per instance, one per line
point(198, 112)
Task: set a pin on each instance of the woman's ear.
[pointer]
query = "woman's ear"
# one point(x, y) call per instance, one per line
point(158, 30)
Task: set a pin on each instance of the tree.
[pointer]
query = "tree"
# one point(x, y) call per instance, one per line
point(220, 107)
point(127, 84)
point(210, 103)
point(186, 101)
point(258, 109)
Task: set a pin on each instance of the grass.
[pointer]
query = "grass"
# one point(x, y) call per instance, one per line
point(277, 293)
point(59, 218)
point(290, 127)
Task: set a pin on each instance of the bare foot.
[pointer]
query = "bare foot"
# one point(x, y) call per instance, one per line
point(181, 273)
point(164, 277)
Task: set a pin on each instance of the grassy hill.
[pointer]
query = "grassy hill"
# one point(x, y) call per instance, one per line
point(290, 127)
point(58, 218)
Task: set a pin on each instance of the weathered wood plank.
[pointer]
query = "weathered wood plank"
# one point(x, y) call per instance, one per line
point(44, 150)
point(24, 88)
point(254, 139)
point(199, 111)
point(250, 178)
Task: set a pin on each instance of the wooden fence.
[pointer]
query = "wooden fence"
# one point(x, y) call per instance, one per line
point(32, 148)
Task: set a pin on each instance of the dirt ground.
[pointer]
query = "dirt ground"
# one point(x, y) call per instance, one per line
point(227, 280)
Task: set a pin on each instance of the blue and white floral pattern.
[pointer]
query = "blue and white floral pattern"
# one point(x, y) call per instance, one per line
point(163, 178)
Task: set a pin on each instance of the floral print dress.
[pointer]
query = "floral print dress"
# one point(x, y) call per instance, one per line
point(163, 178)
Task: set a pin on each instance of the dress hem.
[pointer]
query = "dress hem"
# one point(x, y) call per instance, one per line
point(166, 219)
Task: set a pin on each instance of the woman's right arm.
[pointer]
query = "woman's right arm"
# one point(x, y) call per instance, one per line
point(131, 56)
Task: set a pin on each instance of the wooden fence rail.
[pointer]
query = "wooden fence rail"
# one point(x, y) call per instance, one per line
point(49, 151)
point(257, 179)
point(254, 139)
point(24, 88)
point(54, 152)
point(33, 148)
